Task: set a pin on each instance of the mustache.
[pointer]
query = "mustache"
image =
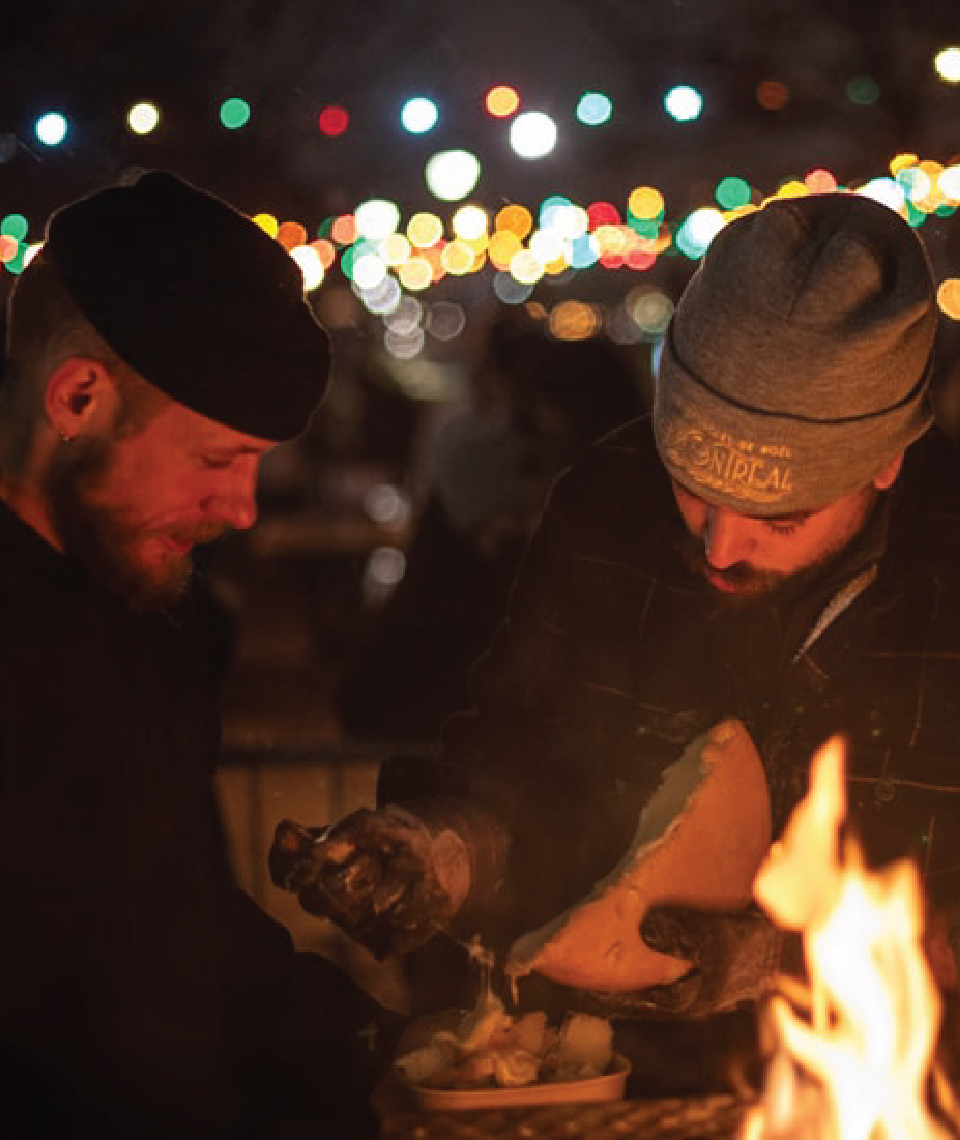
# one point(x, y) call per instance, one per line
point(195, 535)
point(740, 578)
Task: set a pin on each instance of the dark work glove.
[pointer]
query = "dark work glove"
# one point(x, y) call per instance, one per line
point(734, 956)
point(379, 875)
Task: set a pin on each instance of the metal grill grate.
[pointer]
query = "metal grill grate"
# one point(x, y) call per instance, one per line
point(708, 1118)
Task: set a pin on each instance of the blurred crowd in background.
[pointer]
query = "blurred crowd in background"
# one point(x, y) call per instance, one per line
point(390, 532)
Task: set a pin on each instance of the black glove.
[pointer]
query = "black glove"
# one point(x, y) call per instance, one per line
point(734, 956)
point(374, 874)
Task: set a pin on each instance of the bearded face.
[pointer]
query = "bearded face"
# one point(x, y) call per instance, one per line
point(108, 539)
point(140, 553)
point(745, 558)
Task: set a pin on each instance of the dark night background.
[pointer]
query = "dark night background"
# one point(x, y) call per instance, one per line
point(92, 58)
point(301, 585)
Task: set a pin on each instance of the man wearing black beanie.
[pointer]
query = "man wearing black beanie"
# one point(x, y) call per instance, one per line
point(775, 546)
point(157, 348)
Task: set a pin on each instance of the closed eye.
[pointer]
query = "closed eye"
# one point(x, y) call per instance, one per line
point(787, 524)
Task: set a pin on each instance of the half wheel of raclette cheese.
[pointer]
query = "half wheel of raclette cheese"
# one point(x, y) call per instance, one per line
point(699, 842)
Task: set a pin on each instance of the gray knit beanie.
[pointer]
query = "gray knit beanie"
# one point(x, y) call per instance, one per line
point(797, 362)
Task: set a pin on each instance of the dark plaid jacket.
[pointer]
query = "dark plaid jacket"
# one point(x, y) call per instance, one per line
point(613, 657)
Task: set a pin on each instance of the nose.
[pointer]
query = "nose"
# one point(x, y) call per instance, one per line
point(235, 503)
point(726, 539)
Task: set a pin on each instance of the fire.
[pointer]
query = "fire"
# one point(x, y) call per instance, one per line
point(854, 1043)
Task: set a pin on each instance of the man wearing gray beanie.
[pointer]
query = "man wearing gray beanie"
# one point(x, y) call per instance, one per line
point(774, 545)
point(158, 347)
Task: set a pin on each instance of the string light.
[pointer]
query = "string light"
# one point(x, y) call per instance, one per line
point(142, 118)
point(234, 113)
point(380, 257)
point(51, 128)
point(333, 120)
point(502, 101)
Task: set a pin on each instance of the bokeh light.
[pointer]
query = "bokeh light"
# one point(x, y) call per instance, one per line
point(863, 90)
point(416, 274)
point(406, 316)
point(564, 218)
point(15, 226)
point(515, 218)
point(772, 94)
point(594, 108)
point(234, 113)
point(947, 64)
point(9, 247)
point(546, 245)
point(142, 118)
point(503, 247)
point(333, 120)
point(792, 188)
point(343, 229)
point(732, 192)
point(383, 298)
point(526, 267)
point(452, 174)
point(603, 214)
point(683, 103)
point(457, 258)
point(268, 223)
point(394, 249)
point(574, 320)
point(650, 310)
point(419, 115)
point(51, 128)
point(646, 203)
point(584, 252)
point(310, 266)
point(376, 218)
point(325, 252)
point(948, 181)
point(509, 290)
point(368, 270)
point(948, 297)
point(291, 234)
point(404, 348)
point(533, 134)
point(698, 230)
point(424, 229)
point(886, 191)
point(552, 210)
point(902, 160)
point(446, 320)
point(469, 222)
point(502, 101)
point(821, 181)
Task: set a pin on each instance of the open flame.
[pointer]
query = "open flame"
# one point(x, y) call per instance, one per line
point(854, 1043)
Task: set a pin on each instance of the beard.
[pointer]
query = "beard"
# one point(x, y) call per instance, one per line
point(747, 584)
point(107, 540)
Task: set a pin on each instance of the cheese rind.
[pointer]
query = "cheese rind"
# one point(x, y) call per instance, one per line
point(699, 842)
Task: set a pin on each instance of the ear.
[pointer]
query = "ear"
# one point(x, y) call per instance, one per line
point(887, 475)
point(81, 397)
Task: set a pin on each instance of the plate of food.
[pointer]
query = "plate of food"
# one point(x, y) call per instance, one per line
point(488, 1058)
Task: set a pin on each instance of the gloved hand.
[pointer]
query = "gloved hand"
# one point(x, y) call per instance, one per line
point(381, 876)
point(734, 955)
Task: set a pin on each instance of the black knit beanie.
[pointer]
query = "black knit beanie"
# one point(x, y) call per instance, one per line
point(197, 299)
